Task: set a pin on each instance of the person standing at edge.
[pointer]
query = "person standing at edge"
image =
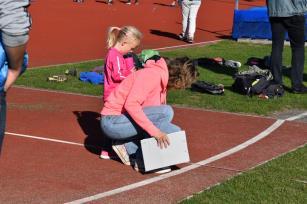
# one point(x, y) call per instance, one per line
point(15, 23)
point(288, 15)
point(189, 14)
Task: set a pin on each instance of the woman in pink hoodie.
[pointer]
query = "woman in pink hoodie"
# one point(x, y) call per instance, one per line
point(137, 109)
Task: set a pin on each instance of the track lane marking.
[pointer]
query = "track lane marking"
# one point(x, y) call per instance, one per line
point(229, 152)
point(44, 138)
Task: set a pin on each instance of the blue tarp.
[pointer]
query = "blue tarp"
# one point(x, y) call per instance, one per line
point(91, 77)
point(251, 23)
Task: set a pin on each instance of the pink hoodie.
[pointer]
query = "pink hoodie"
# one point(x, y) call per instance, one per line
point(146, 87)
point(116, 69)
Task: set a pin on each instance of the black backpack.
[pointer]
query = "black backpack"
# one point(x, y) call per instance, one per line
point(243, 83)
point(250, 84)
point(273, 91)
point(259, 85)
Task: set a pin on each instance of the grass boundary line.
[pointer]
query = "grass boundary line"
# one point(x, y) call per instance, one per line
point(174, 105)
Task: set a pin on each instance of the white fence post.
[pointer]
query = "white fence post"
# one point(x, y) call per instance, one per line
point(237, 4)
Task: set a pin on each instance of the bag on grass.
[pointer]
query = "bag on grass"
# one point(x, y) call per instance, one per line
point(206, 87)
point(243, 83)
point(252, 81)
point(259, 85)
point(273, 91)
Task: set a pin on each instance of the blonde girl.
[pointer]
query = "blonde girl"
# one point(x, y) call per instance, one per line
point(120, 41)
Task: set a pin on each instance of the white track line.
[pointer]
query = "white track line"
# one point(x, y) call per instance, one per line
point(188, 45)
point(229, 152)
point(43, 138)
point(297, 116)
point(233, 150)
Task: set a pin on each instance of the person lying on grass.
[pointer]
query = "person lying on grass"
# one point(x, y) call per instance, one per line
point(137, 108)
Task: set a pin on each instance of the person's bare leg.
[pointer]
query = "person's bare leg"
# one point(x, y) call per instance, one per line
point(15, 58)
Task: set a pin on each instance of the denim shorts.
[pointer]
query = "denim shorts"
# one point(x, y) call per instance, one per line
point(15, 22)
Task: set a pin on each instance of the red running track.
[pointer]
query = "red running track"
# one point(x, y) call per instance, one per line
point(71, 32)
point(42, 171)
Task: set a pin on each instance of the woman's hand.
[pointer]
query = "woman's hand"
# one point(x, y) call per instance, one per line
point(162, 140)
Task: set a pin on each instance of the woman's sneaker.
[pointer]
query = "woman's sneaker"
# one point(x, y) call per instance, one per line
point(139, 167)
point(162, 170)
point(120, 150)
point(104, 155)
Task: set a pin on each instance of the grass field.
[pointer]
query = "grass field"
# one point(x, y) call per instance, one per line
point(280, 181)
point(230, 101)
point(283, 180)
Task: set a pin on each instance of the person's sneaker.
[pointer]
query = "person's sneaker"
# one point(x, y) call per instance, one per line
point(301, 89)
point(110, 2)
point(163, 170)
point(181, 36)
point(173, 4)
point(120, 150)
point(232, 63)
point(189, 40)
point(128, 3)
point(140, 168)
point(104, 155)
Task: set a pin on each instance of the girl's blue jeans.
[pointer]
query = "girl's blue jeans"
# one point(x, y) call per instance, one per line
point(122, 127)
point(2, 117)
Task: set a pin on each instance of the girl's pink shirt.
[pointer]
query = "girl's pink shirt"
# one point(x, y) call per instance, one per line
point(116, 69)
point(146, 87)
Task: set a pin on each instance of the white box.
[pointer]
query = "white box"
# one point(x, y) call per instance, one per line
point(176, 153)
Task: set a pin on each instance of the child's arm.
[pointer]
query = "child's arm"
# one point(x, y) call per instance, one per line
point(119, 70)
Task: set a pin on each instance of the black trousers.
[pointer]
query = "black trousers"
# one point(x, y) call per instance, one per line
point(295, 26)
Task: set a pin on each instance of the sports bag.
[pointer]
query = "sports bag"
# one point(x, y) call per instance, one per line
point(207, 87)
point(253, 81)
point(273, 91)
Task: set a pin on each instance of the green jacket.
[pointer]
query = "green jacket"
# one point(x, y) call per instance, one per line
point(286, 8)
